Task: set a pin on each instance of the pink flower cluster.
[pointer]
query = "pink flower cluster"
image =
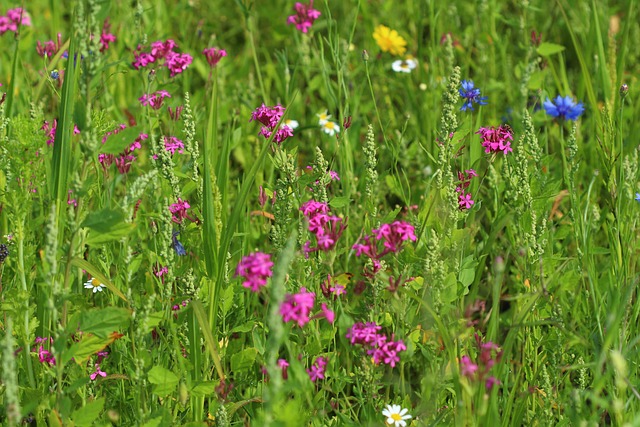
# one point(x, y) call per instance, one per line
point(392, 235)
point(125, 159)
point(269, 117)
point(50, 130)
point(297, 307)
point(106, 37)
point(163, 53)
point(490, 354)
point(154, 100)
point(304, 17)
point(327, 228)
point(44, 356)
point(214, 55)
point(316, 372)
point(255, 268)
point(49, 48)
point(496, 139)
point(381, 349)
point(464, 199)
point(179, 211)
point(13, 19)
point(173, 144)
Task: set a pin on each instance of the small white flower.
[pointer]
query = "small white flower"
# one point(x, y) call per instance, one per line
point(330, 128)
point(95, 285)
point(323, 117)
point(291, 123)
point(404, 66)
point(396, 415)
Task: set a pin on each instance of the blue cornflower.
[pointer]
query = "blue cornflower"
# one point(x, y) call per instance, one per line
point(177, 245)
point(564, 108)
point(55, 75)
point(638, 197)
point(470, 94)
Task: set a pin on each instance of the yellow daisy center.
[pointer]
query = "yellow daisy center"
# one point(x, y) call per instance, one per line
point(329, 125)
point(396, 417)
point(95, 283)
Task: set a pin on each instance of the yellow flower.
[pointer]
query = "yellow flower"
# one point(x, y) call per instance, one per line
point(389, 40)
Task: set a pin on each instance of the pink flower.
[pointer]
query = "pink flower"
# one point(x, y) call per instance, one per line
point(496, 139)
point(255, 268)
point(97, 372)
point(327, 228)
point(327, 313)
point(178, 62)
point(296, 307)
point(316, 372)
point(154, 100)
point(269, 117)
point(338, 290)
point(106, 37)
point(49, 48)
point(214, 55)
point(467, 367)
point(13, 19)
point(179, 211)
point(283, 364)
point(304, 17)
point(163, 53)
point(173, 144)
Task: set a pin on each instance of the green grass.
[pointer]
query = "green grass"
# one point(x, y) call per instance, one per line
point(543, 264)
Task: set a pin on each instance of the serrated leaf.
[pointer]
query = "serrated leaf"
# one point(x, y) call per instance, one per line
point(102, 322)
point(164, 380)
point(244, 360)
point(86, 415)
point(548, 49)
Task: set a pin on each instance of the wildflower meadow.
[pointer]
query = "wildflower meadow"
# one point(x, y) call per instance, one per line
point(319, 213)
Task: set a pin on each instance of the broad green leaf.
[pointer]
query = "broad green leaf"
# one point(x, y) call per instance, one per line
point(88, 345)
point(547, 49)
point(117, 232)
point(339, 202)
point(203, 388)
point(244, 360)
point(164, 380)
point(117, 142)
point(104, 220)
point(104, 321)
point(87, 414)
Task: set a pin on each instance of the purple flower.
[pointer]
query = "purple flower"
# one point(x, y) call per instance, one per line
point(471, 95)
point(296, 307)
point(496, 139)
point(316, 372)
point(304, 17)
point(564, 108)
point(255, 268)
point(214, 55)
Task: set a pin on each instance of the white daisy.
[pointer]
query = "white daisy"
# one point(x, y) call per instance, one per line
point(95, 285)
point(330, 128)
point(291, 123)
point(323, 117)
point(404, 66)
point(396, 415)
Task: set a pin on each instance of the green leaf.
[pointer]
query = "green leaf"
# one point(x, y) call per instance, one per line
point(86, 415)
point(339, 202)
point(88, 345)
point(203, 388)
point(164, 380)
point(245, 327)
point(106, 225)
point(548, 49)
point(104, 321)
point(244, 360)
point(117, 142)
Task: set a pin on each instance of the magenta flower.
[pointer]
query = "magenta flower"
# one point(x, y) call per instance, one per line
point(387, 352)
point(327, 313)
point(178, 62)
point(490, 354)
point(304, 17)
point(269, 117)
point(14, 18)
point(49, 48)
point(179, 210)
point(296, 307)
point(379, 346)
point(467, 367)
point(154, 100)
point(214, 55)
point(50, 130)
point(464, 199)
point(316, 372)
point(173, 144)
point(163, 53)
point(255, 268)
point(496, 139)
point(283, 364)
point(327, 228)
point(106, 37)
point(94, 375)
point(44, 356)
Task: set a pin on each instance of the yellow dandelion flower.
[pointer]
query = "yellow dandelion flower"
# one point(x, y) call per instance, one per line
point(389, 40)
